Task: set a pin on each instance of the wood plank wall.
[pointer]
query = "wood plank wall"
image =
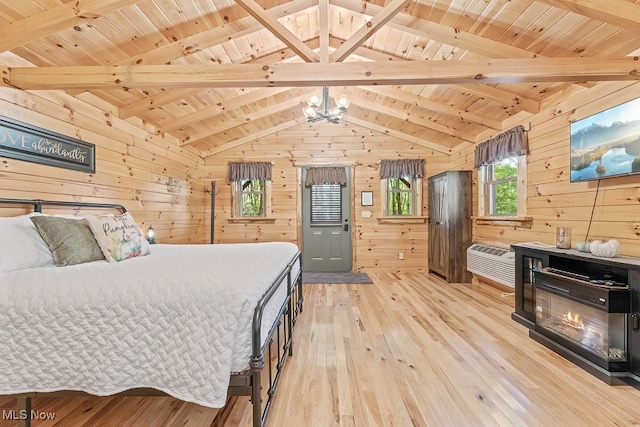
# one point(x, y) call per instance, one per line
point(376, 246)
point(132, 165)
point(553, 201)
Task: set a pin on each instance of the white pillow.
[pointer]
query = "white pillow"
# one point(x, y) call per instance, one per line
point(118, 236)
point(21, 245)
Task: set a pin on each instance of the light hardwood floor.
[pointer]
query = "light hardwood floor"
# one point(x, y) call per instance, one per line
point(409, 350)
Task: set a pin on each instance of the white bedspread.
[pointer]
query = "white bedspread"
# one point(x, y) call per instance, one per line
point(178, 320)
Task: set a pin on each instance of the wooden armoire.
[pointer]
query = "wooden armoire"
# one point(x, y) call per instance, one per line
point(450, 224)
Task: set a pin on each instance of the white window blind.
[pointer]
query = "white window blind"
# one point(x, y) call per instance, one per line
point(326, 204)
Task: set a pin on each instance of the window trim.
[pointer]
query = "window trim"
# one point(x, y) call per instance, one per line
point(484, 216)
point(236, 198)
point(416, 192)
point(402, 219)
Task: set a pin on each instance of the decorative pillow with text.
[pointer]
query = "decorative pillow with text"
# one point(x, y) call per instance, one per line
point(118, 236)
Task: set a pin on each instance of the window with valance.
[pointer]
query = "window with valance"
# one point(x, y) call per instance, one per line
point(251, 188)
point(501, 162)
point(401, 187)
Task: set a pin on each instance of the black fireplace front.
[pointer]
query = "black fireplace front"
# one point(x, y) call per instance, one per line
point(588, 318)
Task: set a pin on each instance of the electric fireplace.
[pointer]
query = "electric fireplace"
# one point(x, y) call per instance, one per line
point(584, 320)
point(583, 307)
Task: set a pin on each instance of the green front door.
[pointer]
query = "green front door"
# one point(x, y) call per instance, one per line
point(326, 226)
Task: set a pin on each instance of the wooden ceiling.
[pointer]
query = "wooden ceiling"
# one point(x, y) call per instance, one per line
point(217, 74)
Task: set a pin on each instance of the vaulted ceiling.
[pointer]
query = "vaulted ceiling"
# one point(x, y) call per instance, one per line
point(216, 74)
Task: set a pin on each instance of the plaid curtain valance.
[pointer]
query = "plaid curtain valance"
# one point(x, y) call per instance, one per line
point(325, 175)
point(509, 143)
point(403, 167)
point(239, 171)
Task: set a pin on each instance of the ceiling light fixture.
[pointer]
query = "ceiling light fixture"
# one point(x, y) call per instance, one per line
point(318, 107)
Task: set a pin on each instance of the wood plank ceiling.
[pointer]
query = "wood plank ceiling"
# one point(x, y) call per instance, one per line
point(217, 74)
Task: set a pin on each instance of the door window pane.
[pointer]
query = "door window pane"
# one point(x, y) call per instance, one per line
point(326, 204)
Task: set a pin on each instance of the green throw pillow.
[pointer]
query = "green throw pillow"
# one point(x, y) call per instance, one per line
point(70, 240)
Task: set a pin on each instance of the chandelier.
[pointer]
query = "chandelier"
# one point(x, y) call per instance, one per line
point(318, 107)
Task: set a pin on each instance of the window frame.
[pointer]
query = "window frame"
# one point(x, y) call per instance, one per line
point(236, 200)
point(484, 191)
point(416, 198)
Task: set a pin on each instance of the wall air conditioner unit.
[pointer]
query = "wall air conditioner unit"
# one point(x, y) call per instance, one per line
point(493, 263)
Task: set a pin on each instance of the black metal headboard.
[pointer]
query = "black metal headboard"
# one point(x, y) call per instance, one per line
point(38, 203)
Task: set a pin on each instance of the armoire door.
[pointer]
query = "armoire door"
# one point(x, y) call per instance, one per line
point(438, 226)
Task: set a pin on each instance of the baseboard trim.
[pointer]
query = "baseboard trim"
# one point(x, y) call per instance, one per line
point(479, 280)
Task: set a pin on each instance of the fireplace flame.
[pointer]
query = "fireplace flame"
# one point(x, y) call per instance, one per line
point(574, 320)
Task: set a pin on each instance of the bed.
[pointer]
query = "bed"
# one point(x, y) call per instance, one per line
point(191, 321)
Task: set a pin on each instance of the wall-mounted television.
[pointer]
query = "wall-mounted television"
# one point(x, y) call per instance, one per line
point(606, 144)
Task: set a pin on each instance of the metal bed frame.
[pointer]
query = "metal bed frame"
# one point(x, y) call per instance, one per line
point(248, 382)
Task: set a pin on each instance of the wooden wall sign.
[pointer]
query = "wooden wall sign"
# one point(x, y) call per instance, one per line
point(33, 144)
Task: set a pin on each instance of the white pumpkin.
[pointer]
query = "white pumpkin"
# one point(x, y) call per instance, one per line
point(583, 246)
point(607, 249)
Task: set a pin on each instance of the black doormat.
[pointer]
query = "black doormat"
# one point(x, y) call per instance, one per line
point(337, 278)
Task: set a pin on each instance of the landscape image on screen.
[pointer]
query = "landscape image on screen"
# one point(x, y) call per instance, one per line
point(606, 144)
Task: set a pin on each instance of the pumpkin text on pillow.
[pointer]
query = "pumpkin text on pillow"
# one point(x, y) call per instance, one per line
point(118, 236)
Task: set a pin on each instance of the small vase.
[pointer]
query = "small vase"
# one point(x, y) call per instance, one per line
point(563, 237)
